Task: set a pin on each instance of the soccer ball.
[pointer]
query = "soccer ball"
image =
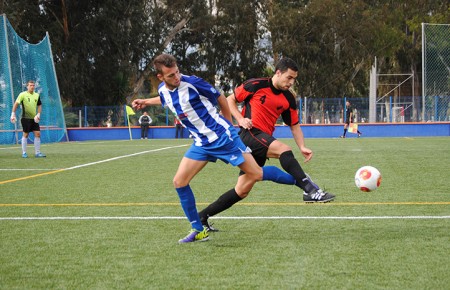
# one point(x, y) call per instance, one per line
point(367, 178)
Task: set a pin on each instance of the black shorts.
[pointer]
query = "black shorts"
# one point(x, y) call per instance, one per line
point(259, 142)
point(29, 125)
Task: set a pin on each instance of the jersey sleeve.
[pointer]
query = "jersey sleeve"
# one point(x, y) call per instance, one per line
point(205, 89)
point(249, 88)
point(39, 103)
point(19, 98)
point(290, 116)
point(163, 101)
point(241, 94)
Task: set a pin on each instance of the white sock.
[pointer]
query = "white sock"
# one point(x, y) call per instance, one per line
point(24, 145)
point(37, 145)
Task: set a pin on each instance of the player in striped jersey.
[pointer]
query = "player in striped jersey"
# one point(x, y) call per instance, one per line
point(193, 101)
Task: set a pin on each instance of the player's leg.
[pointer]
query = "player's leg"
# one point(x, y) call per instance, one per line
point(26, 129)
point(37, 141)
point(252, 173)
point(243, 186)
point(187, 169)
point(290, 164)
point(345, 129)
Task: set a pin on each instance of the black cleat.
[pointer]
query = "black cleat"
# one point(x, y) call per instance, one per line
point(318, 196)
point(209, 227)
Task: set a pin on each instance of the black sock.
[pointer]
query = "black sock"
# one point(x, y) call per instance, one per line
point(291, 165)
point(345, 132)
point(225, 201)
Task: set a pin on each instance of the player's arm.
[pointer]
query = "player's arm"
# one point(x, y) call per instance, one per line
point(37, 118)
point(297, 133)
point(142, 103)
point(242, 122)
point(13, 112)
point(224, 108)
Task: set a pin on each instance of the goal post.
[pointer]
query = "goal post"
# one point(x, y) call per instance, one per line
point(21, 61)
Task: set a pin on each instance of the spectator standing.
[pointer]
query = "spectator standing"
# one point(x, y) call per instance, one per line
point(145, 120)
point(178, 128)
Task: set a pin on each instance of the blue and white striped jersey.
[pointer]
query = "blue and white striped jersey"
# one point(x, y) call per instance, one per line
point(194, 103)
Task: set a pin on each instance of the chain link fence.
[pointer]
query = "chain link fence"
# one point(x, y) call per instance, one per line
point(312, 111)
point(436, 72)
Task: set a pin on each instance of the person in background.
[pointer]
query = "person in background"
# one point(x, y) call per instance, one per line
point(194, 101)
point(145, 120)
point(31, 102)
point(349, 119)
point(178, 128)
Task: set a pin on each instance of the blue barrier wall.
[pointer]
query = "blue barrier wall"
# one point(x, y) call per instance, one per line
point(371, 130)
point(310, 131)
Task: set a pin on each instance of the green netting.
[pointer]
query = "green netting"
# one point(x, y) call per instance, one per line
point(436, 73)
point(21, 61)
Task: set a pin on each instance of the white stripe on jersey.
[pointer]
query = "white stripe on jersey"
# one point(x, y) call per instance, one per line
point(196, 112)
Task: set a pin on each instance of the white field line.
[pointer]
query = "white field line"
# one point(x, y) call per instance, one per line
point(123, 156)
point(228, 218)
point(92, 163)
point(89, 164)
point(29, 169)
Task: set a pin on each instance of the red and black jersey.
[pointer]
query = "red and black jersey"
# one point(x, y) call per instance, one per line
point(264, 104)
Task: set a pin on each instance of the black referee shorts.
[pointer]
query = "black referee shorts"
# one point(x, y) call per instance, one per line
point(29, 125)
point(259, 142)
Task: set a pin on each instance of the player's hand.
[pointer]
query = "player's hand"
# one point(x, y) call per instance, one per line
point(138, 104)
point(307, 153)
point(13, 117)
point(37, 118)
point(246, 123)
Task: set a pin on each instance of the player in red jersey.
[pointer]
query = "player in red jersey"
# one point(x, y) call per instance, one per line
point(264, 101)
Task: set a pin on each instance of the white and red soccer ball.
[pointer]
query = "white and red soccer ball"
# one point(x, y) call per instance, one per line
point(367, 178)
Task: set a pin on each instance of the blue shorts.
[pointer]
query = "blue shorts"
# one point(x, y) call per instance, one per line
point(227, 149)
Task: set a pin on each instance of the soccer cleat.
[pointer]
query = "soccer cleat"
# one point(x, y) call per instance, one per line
point(209, 227)
point(40, 155)
point(318, 196)
point(359, 135)
point(24, 155)
point(342, 136)
point(195, 236)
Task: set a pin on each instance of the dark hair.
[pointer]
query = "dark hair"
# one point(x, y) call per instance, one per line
point(286, 63)
point(166, 60)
